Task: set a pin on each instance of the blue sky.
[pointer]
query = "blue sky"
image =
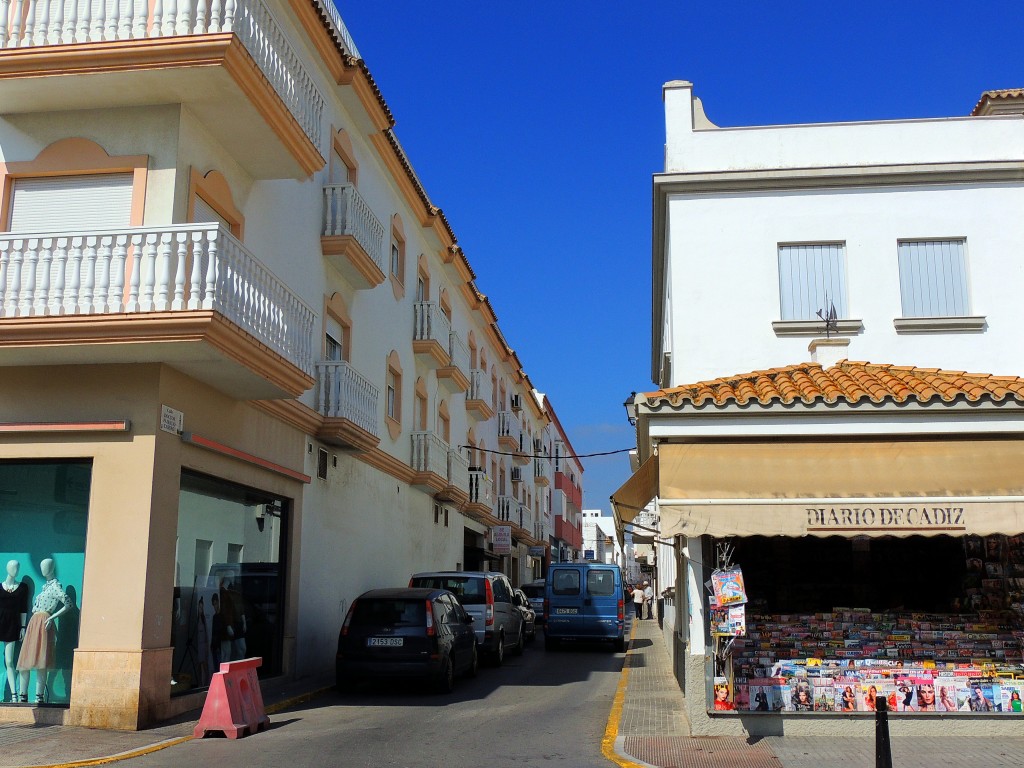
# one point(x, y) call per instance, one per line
point(537, 127)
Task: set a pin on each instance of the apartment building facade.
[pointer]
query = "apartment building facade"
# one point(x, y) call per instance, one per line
point(247, 371)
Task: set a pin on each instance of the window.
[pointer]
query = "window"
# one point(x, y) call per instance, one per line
point(396, 265)
point(332, 348)
point(392, 395)
point(62, 203)
point(933, 278)
point(812, 277)
point(393, 402)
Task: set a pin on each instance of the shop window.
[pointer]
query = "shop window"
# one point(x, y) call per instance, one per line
point(44, 516)
point(230, 597)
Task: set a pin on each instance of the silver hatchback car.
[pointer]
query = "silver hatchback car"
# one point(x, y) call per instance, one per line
point(487, 597)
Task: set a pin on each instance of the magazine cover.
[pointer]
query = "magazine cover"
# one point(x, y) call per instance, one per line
point(945, 689)
point(824, 694)
point(801, 695)
point(927, 699)
point(963, 694)
point(741, 700)
point(723, 694)
point(906, 695)
point(845, 696)
point(728, 586)
point(729, 621)
point(981, 697)
point(1011, 692)
point(764, 693)
point(869, 693)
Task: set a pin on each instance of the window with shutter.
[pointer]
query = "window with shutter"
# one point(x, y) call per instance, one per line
point(71, 203)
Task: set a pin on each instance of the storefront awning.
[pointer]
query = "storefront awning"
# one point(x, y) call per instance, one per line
point(854, 488)
point(635, 494)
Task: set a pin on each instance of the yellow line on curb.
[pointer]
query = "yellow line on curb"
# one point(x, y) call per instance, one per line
point(121, 756)
point(611, 731)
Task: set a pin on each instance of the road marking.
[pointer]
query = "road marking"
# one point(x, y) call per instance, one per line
point(611, 731)
point(121, 756)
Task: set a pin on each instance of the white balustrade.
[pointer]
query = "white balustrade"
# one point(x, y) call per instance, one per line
point(344, 393)
point(481, 488)
point(153, 269)
point(479, 386)
point(34, 23)
point(429, 453)
point(430, 323)
point(458, 352)
point(458, 470)
point(347, 213)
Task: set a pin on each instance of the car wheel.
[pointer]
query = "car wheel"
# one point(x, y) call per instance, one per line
point(620, 644)
point(446, 681)
point(550, 643)
point(520, 642)
point(474, 663)
point(498, 657)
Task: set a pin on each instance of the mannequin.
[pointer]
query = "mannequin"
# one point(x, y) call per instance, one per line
point(38, 649)
point(13, 618)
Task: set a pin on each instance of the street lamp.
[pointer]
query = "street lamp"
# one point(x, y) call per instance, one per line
point(630, 407)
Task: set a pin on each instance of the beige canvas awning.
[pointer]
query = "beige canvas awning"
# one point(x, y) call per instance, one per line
point(635, 494)
point(854, 488)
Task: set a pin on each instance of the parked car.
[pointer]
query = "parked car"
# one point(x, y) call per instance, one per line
point(584, 601)
point(406, 633)
point(487, 597)
point(535, 593)
point(529, 615)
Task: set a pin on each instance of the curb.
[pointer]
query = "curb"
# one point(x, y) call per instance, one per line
point(611, 742)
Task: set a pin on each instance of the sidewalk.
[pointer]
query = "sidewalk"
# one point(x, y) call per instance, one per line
point(653, 730)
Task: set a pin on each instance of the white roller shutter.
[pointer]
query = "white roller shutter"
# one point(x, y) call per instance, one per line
point(203, 213)
point(72, 203)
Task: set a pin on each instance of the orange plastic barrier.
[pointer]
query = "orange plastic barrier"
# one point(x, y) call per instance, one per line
point(234, 704)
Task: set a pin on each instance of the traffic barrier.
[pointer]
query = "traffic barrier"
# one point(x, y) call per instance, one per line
point(234, 704)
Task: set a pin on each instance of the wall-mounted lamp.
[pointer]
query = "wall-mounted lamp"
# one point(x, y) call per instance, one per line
point(630, 407)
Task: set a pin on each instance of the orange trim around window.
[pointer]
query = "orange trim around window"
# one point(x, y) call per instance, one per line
point(216, 192)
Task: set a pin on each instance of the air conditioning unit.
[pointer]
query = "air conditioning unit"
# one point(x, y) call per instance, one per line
point(517, 402)
point(538, 445)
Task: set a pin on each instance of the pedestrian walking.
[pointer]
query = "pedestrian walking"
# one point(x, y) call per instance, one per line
point(648, 598)
point(638, 601)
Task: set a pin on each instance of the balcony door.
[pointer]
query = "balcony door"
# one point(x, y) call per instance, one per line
point(71, 203)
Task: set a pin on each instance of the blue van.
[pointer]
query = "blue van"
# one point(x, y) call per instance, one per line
point(584, 601)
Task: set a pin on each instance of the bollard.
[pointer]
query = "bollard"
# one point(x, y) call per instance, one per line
point(883, 752)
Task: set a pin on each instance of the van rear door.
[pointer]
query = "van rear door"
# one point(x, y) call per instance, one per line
point(566, 594)
point(601, 602)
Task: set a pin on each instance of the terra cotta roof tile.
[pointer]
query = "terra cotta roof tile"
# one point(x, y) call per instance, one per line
point(847, 381)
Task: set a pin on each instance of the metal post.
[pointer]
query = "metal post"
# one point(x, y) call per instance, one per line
point(883, 752)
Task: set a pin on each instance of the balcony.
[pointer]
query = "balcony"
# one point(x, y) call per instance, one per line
point(478, 399)
point(573, 494)
point(541, 471)
point(230, 62)
point(432, 331)
point(348, 402)
point(509, 510)
point(510, 436)
point(440, 471)
point(454, 377)
point(352, 239)
point(190, 296)
point(567, 532)
point(481, 497)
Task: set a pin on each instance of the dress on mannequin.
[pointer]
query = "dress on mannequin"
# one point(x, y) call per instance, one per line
point(13, 615)
point(38, 649)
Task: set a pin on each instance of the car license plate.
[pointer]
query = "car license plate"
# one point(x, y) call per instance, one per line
point(389, 642)
point(567, 610)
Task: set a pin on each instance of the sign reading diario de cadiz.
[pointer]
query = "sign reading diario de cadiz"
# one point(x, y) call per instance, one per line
point(922, 516)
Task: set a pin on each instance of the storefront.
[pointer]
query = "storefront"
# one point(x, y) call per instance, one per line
point(879, 545)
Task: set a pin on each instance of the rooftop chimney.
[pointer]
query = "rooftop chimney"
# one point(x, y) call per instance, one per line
point(828, 352)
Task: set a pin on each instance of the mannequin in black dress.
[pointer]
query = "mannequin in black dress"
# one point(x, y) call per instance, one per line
point(13, 617)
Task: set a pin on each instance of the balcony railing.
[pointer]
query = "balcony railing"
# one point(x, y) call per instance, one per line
point(541, 467)
point(509, 427)
point(458, 471)
point(347, 213)
point(169, 269)
point(35, 23)
point(344, 393)
point(458, 351)
point(481, 488)
point(508, 509)
point(429, 454)
point(479, 386)
point(431, 324)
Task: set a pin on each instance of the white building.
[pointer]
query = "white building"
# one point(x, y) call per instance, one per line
point(245, 359)
point(763, 442)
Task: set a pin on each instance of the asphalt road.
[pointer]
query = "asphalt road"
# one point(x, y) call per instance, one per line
point(546, 708)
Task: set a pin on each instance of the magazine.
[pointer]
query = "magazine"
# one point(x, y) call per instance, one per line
point(846, 694)
point(728, 587)
point(1011, 693)
point(945, 694)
